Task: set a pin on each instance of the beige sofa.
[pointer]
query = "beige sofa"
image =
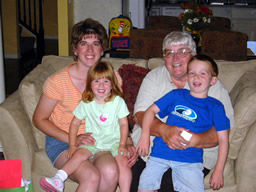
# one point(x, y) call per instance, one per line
point(20, 140)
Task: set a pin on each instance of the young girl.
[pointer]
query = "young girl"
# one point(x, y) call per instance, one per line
point(106, 114)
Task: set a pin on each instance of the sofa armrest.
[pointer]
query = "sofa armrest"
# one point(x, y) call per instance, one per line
point(16, 133)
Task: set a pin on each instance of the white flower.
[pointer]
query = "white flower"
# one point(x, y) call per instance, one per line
point(189, 21)
point(204, 19)
point(186, 11)
point(195, 20)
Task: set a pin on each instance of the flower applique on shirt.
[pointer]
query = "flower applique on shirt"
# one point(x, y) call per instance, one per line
point(104, 117)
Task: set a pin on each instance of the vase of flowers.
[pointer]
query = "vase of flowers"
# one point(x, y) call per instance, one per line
point(195, 17)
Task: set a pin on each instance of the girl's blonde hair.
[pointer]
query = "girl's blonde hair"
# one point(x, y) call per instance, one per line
point(98, 71)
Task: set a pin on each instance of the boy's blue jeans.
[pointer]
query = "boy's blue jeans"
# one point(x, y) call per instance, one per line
point(187, 177)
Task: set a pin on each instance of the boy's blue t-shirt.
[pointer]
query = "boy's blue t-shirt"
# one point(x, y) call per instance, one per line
point(196, 114)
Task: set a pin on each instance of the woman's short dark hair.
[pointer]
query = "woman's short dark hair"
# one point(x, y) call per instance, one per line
point(89, 27)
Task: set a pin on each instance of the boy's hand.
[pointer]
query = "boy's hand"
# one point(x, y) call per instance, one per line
point(216, 180)
point(122, 150)
point(70, 151)
point(143, 145)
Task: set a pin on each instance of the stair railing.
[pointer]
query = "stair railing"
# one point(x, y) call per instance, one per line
point(30, 16)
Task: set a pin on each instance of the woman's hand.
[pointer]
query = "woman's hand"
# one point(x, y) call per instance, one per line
point(70, 151)
point(85, 139)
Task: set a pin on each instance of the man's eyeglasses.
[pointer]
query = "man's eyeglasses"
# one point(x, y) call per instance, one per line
point(179, 53)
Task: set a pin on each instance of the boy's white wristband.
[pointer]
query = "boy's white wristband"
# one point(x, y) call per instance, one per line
point(186, 135)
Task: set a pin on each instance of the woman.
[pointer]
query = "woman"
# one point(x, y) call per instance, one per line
point(61, 94)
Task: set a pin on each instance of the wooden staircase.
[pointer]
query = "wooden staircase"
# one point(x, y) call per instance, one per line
point(30, 18)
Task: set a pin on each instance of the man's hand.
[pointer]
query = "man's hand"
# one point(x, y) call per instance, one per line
point(85, 139)
point(171, 136)
point(132, 154)
point(204, 140)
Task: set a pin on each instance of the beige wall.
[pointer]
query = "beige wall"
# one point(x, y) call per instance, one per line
point(77, 10)
point(101, 10)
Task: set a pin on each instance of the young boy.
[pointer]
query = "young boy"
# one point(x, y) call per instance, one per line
point(194, 110)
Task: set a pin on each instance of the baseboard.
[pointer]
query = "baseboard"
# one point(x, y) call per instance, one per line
point(11, 56)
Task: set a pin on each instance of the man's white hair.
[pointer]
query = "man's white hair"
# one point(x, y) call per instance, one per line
point(176, 38)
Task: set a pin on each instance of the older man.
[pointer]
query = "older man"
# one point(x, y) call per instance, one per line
point(178, 48)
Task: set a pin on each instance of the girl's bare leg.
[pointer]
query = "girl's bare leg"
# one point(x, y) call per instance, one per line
point(87, 175)
point(77, 158)
point(108, 169)
point(125, 173)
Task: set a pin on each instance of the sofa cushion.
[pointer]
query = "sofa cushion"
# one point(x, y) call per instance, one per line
point(57, 62)
point(30, 90)
point(229, 72)
point(155, 62)
point(245, 164)
point(243, 98)
point(132, 76)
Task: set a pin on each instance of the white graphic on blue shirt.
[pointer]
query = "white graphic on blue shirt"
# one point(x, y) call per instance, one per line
point(185, 112)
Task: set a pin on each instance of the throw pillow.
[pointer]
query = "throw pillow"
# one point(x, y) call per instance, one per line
point(132, 76)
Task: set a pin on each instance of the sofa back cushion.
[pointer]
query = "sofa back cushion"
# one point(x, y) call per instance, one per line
point(118, 62)
point(243, 98)
point(229, 72)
